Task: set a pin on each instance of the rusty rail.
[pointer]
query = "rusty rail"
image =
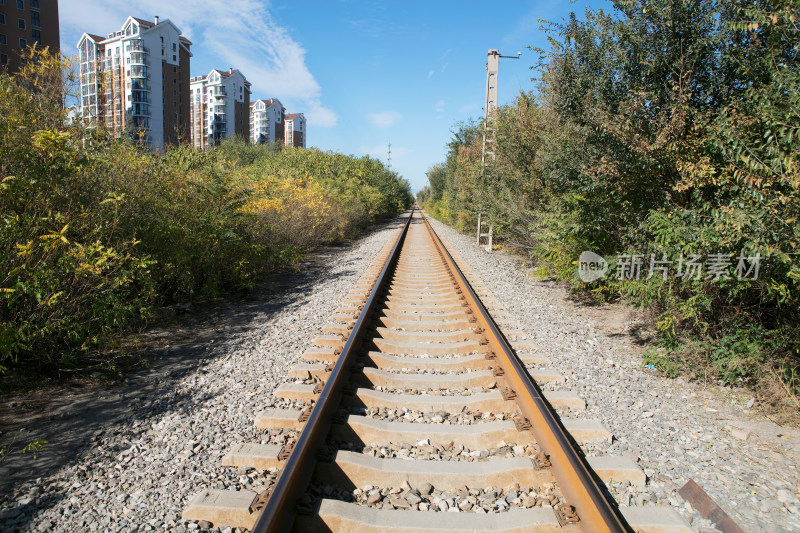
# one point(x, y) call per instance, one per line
point(571, 471)
point(574, 476)
point(278, 513)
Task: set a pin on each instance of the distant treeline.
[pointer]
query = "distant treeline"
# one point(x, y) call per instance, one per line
point(96, 233)
point(666, 134)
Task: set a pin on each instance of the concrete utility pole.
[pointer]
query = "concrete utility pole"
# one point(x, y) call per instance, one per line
point(490, 105)
point(389, 157)
point(489, 111)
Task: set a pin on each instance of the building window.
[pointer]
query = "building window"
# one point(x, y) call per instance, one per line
point(174, 57)
point(20, 4)
point(3, 59)
point(35, 3)
point(23, 43)
point(35, 18)
point(2, 18)
point(3, 38)
point(36, 36)
point(21, 23)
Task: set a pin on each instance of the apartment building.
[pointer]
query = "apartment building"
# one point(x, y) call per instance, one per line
point(220, 107)
point(135, 81)
point(266, 121)
point(23, 23)
point(295, 130)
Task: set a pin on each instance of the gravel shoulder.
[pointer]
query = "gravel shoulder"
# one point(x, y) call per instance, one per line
point(127, 457)
point(676, 430)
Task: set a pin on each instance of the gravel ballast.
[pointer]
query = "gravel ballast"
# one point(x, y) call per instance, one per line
point(138, 473)
point(676, 430)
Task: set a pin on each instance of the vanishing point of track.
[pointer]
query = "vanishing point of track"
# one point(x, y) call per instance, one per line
point(416, 364)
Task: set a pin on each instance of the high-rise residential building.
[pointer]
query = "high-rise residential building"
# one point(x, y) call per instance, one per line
point(295, 130)
point(266, 121)
point(135, 81)
point(220, 107)
point(23, 23)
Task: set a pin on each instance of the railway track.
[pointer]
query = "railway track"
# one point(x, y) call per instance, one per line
point(416, 413)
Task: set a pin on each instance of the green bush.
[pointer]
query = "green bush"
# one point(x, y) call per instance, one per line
point(95, 232)
point(667, 130)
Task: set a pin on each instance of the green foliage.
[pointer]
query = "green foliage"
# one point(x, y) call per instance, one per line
point(732, 359)
point(661, 129)
point(95, 232)
point(662, 361)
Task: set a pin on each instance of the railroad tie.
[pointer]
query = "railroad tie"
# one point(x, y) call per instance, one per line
point(432, 421)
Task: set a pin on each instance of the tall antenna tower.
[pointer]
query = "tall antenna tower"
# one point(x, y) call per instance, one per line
point(389, 157)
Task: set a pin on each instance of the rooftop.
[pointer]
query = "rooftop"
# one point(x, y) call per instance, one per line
point(144, 22)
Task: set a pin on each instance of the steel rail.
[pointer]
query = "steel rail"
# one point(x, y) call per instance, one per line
point(279, 512)
point(573, 475)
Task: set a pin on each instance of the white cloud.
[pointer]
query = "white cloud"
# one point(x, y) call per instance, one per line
point(241, 34)
point(444, 67)
point(318, 115)
point(385, 119)
point(439, 107)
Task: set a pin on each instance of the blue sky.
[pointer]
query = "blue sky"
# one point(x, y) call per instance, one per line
point(365, 73)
